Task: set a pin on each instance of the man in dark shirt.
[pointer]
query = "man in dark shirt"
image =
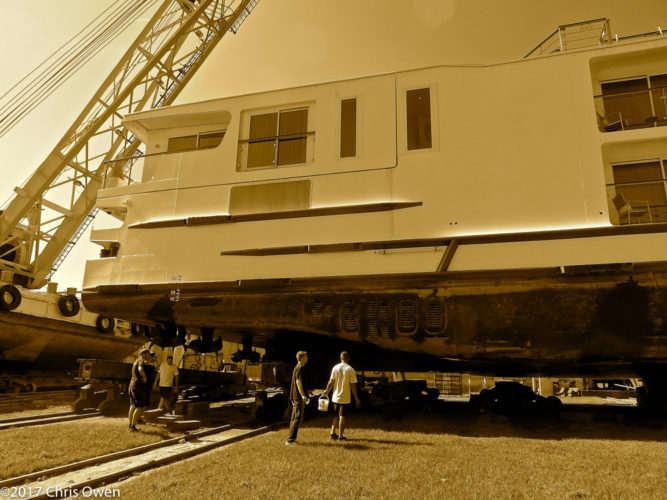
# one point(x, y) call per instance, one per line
point(298, 397)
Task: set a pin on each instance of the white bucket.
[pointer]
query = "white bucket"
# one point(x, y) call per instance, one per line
point(323, 403)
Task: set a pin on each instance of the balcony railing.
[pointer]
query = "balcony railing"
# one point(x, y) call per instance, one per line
point(637, 202)
point(574, 36)
point(596, 32)
point(632, 110)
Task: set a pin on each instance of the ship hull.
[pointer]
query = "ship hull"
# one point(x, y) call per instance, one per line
point(551, 321)
point(51, 344)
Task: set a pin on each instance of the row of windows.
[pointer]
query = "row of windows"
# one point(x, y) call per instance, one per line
point(280, 138)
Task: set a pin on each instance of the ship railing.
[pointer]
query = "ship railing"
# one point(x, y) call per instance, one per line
point(594, 32)
point(125, 171)
point(637, 202)
point(632, 110)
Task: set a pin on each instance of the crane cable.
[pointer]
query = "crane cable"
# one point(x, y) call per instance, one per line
point(20, 100)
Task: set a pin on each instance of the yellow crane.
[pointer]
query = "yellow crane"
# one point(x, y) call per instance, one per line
point(46, 216)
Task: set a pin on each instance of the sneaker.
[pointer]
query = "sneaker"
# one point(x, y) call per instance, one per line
point(333, 436)
point(289, 443)
point(342, 438)
point(133, 428)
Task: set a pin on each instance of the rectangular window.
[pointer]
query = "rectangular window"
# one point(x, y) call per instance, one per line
point(191, 142)
point(278, 139)
point(348, 128)
point(639, 192)
point(292, 137)
point(210, 139)
point(261, 146)
point(418, 114)
point(182, 143)
point(630, 98)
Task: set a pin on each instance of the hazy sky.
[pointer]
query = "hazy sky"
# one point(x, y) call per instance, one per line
point(285, 43)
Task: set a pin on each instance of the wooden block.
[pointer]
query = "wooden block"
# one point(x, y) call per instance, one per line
point(183, 425)
point(167, 419)
point(152, 415)
point(198, 409)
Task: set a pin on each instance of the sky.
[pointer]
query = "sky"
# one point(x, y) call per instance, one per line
point(284, 43)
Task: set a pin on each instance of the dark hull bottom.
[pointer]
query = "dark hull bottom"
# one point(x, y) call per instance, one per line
point(31, 342)
point(589, 320)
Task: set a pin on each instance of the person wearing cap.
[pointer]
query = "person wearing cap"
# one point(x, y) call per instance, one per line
point(139, 389)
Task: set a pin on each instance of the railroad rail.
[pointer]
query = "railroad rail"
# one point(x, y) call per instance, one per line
point(105, 469)
point(46, 418)
point(32, 400)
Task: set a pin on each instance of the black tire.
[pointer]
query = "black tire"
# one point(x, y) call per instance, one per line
point(105, 324)
point(10, 297)
point(69, 305)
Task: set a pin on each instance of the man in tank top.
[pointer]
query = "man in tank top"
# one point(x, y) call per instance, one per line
point(139, 389)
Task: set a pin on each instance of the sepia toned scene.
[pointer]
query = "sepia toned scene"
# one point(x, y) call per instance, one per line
point(358, 249)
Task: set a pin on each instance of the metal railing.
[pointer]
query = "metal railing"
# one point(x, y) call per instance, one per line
point(574, 36)
point(632, 110)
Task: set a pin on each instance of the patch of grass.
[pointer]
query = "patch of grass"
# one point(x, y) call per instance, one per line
point(30, 449)
point(37, 411)
point(436, 457)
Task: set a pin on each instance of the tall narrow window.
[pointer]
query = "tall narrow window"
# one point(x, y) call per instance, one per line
point(348, 128)
point(629, 100)
point(292, 137)
point(418, 111)
point(261, 144)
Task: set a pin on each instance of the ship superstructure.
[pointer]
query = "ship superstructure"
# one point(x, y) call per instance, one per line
point(511, 214)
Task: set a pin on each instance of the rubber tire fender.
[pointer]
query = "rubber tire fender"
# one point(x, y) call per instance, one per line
point(15, 297)
point(103, 326)
point(69, 305)
point(138, 329)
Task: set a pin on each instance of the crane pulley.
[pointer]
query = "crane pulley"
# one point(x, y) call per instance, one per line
point(46, 216)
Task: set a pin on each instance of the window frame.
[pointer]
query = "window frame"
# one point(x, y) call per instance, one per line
point(197, 142)
point(242, 163)
point(357, 107)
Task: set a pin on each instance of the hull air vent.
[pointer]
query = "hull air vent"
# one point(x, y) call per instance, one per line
point(435, 315)
point(350, 316)
point(407, 316)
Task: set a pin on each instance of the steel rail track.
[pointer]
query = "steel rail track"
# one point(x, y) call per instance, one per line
point(105, 469)
point(27, 400)
point(47, 418)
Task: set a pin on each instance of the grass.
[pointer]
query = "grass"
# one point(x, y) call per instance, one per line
point(447, 457)
point(30, 449)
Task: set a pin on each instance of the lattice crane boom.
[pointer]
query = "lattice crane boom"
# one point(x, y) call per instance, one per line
point(42, 217)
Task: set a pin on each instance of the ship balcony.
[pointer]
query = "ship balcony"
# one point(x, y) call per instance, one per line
point(637, 202)
point(631, 109)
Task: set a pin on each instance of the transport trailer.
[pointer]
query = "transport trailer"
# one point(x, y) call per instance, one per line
point(106, 385)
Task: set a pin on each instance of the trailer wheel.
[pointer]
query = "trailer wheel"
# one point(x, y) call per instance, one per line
point(69, 305)
point(10, 297)
point(105, 324)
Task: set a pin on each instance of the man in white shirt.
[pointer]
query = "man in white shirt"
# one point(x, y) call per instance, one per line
point(343, 380)
point(167, 380)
